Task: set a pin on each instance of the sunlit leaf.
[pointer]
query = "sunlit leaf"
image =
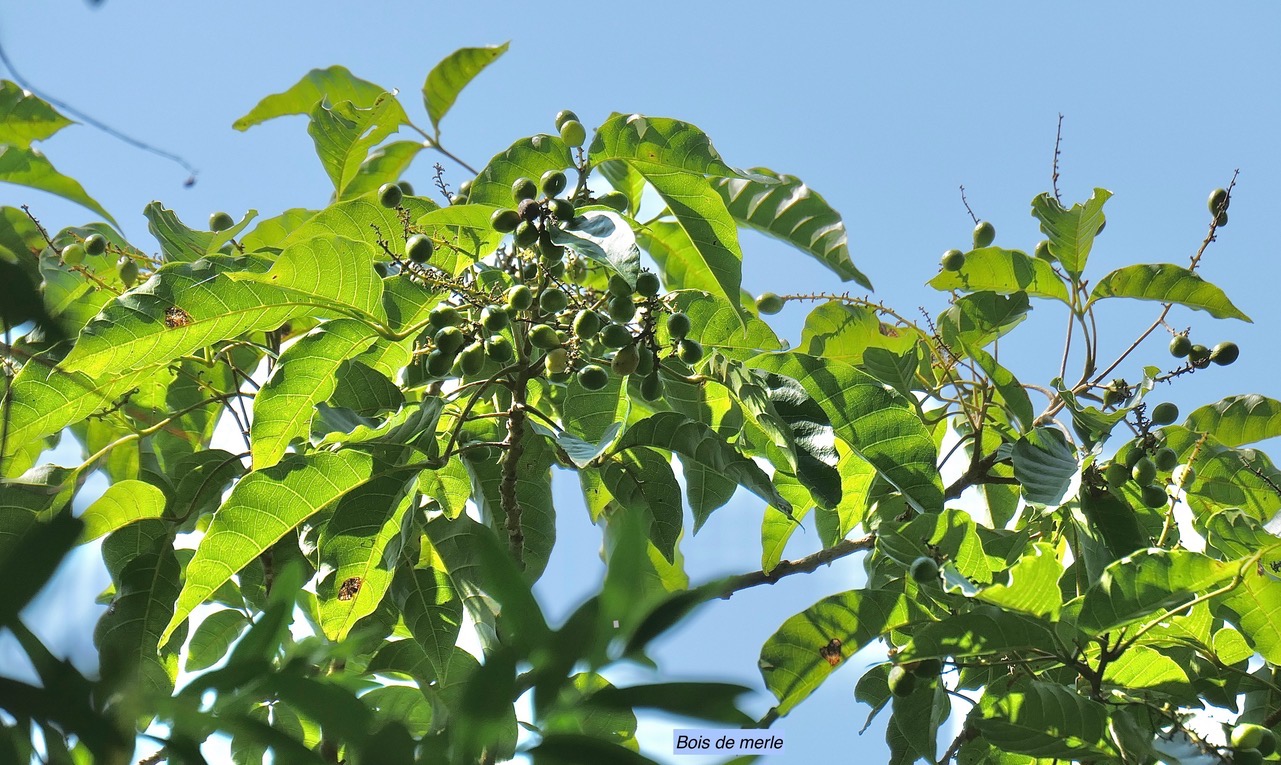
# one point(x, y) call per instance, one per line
point(122, 503)
point(448, 78)
point(1005, 272)
point(1137, 586)
point(1238, 420)
point(345, 132)
point(335, 83)
point(25, 117)
point(1166, 283)
point(1071, 232)
point(26, 166)
point(182, 244)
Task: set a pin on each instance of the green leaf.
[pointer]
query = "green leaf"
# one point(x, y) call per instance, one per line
point(719, 326)
point(1142, 668)
point(982, 631)
point(1166, 283)
point(383, 165)
point(975, 320)
point(879, 425)
point(912, 730)
point(559, 748)
point(336, 271)
point(264, 506)
point(603, 237)
point(404, 704)
point(1071, 232)
point(1115, 522)
point(703, 701)
point(1137, 586)
point(527, 158)
point(790, 660)
point(362, 219)
point(1008, 389)
point(336, 84)
point(1257, 603)
point(181, 244)
point(793, 212)
point(29, 558)
point(213, 638)
point(1005, 272)
point(695, 441)
point(1043, 720)
point(811, 435)
point(431, 609)
point(1226, 477)
point(642, 480)
point(344, 133)
point(131, 333)
point(122, 503)
point(129, 633)
point(952, 531)
point(448, 78)
point(668, 143)
point(26, 166)
point(623, 178)
point(1238, 420)
point(1044, 464)
point(573, 715)
point(1033, 585)
point(25, 118)
point(842, 332)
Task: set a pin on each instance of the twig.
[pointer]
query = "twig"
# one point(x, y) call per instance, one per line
point(966, 202)
point(800, 566)
point(1054, 174)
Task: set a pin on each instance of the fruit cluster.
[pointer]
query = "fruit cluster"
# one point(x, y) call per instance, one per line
point(1143, 465)
point(1200, 357)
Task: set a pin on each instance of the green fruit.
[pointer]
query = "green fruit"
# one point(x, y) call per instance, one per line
point(95, 244)
point(689, 351)
point(1042, 250)
point(647, 284)
point(1247, 757)
point(522, 189)
point(619, 287)
point(1198, 353)
point(1183, 476)
point(464, 188)
point(1164, 413)
point(563, 116)
point(1225, 353)
point(389, 195)
point(526, 234)
point(73, 254)
point(552, 300)
point(439, 362)
point(519, 298)
point(573, 133)
point(1165, 459)
point(645, 364)
point(769, 304)
point(626, 360)
point(406, 188)
point(651, 387)
point(561, 209)
point(1221, 219)
point(220, 221)
point(472, 359)
point(529, 209)
point(419, 248)
point(494, 318)
point(953, 260)
point(499, 349)
point(586, 324)
point(1143, 472)
point(927, 668)
point(1247, 736)
point(1133, 456)
point(444, 316)
point(593, 377)
point(984, 235)
point(543, 336)
point(925, 570)
point(615, 336)
point(1155, 496)
point(1269, 743)
point(1116, 474)
point(553, 183)
point(557, 361)
point(901, 682)
point(678, 325)
point(613, 199)
point(449, 339)
point(1180, 346)
point(621, 308)
point(128, 271)
point(1218, 201)
point(504, 221)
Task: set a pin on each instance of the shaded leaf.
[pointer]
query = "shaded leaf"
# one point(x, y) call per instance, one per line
point(982, 631)
point(1139, 585)
point(605, 238)
point(1043, 720)
point(1166, 283)
point(1238, 420)
point(1044, 464)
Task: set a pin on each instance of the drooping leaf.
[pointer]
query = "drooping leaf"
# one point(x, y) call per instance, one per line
point(26, 166)
point(912, 730)
point(448, 78)
point(1005, 272)
point(345, 132)
point(1114, 520)
point(335, 83)
point(793, 212)
point(1238, 420)
point(603, 237)
point(122, 503)
point(1166, 283)
point(642, 480)
point(1139, 585)
point(213, 638)
point(1008, 389)
point(623, 178)
point(811, 433)
point(1044, 464)
point(527, 158)
point(431, 609)
point(178, 243)
point(1044, 720)
point(129, 634)
point(668, 143)
point(25, 117)
point(1071, 232)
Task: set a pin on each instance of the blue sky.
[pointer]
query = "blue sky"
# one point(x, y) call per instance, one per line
point(883, 108)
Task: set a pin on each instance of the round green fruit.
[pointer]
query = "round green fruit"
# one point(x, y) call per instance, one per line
point(984, 235)
point(439, 362)
point(444, 316)
point(519, 298)
point(1116, 474)
point(1198, 353)
point(616, 200)
point(1165, 459)
point(648, 284)
point(927, 668)
point(419, 248)
point(573, 133)
point(557, 361)
point(1247, 757)
point(586, 324)
point(1221, 219)
point(1143, 472)
point(73, 254)
point(390, 195)
point(1164, 413)
point(407, 188)
point(678, 325)
point(626, 360)
point(220, 221)
point(494, 318)
point(544, 336)
point(769, 303)
point(621, 308)
point(1042, 250)
point(526, 234)
point(553, 183)
point(593, 377)
point(689, 351)
point(449, 340)
point(953, 260)
point(901, 682)
point(95, 244)
point(472, 359)
point(1183, 476)
point(504, 221)
point(561, 209)
point(651, 387)
point(529, 209)
point(1218, 201)
point(128, 271)
point(1180, 346)
point(645, 364)
point(523, 188)
point(615, 336)
point(563, 116)
point(1247, 736)
point(552, 300)
point(499, 349)
point(1225, 353)
point(924, 570)
point(1155, 496)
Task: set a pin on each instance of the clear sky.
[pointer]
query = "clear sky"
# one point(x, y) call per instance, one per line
point(883, 108)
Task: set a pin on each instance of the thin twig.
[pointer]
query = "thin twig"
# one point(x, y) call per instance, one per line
point(800, 566)
point(966, 202)
point(1054, 175)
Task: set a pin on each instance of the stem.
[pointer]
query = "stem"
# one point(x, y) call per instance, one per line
point(515, 447)
point(800, 566)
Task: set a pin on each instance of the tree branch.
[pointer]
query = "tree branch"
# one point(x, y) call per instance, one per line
point(801, 566)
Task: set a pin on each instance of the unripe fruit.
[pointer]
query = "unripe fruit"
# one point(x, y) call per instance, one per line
point(1133, 456)
point(621, 308)
point(95, 244)
point(901, 682)
point(439, 362)
point(449, 339)
point(1269, 743)
point(593, 377)
point(1155, 496)
point(927, 668)
point(647, 284)
point(419, 248)
point(1183, 476)
point(626, 360)
point(407, 188)
point(1221, 219)
point(678, 325)
point(984, 235)
point(557, 361)
point(504, 221)
point(651, 387)
point(553, 183)
point(543, 336)
point(561, 209)
point(1165, 459)
point(953, 260)
point(1247, 736)
point(1198, 353)
point(563, 116)
point(925, 570)
point(128, 271)
point(1218, 201)
point(522, 189)
point(573, 133)
point(494, 318)
point(526, 234)
point(499, 349)
point(529, 209)
point(1225, 353)
point(220, 221)
point(1164, 413)
point(472, 358)
point(519, 298)
point(552, 300)
point(1180, 346)
point(390, 194)
point(464, 188)
point(645, 364)
point(1144, 471)
point(1247, 757)
point(73, 254)
point(769, 304)
point(689, 351)
point(586, 324)
point(1116, 475)
point(1042, 250)
point(614, 199)
point(615, 336)
point(444, 316)
point(618, 286)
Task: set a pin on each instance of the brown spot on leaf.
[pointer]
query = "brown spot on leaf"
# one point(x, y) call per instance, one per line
point(176, 317)
point(832, 651)
point(349, 588)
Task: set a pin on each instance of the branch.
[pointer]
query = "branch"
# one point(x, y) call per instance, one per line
point(804, 565)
